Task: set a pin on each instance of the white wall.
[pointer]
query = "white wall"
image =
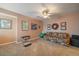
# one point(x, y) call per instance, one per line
point(72, 23)
point(8, 35)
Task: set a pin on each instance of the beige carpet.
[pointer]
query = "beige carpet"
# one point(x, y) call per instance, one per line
point(38, 48)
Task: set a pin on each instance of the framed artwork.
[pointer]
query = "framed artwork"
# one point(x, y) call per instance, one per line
point(5, 24)
point(34, 26)
point(55, 26)
point(25, 25)
point(49, 27)
point(39, 26)
point(63, 25)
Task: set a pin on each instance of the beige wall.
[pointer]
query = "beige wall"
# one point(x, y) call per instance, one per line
point(31, 33)
point(9, 35)
point(72, 23)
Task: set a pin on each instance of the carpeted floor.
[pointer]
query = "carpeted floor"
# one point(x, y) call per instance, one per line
point(38, 48)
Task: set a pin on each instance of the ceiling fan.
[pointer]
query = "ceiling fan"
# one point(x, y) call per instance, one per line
point(46, 11)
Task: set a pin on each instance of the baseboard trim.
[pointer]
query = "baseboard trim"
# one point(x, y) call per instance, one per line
point(19, 42)
point(8, 43)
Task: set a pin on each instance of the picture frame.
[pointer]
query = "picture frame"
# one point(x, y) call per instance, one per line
point(25, 25)
point(34, 26)
point(39, 26)
point(5, 23)
point(55, 26)
point(63, 25)
point(49, 26)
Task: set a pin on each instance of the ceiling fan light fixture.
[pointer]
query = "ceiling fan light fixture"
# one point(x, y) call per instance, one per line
point(45, 12)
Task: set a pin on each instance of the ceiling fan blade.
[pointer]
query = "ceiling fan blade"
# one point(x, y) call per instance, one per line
point(40, 17)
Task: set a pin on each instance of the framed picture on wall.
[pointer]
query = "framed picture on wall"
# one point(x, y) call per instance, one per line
point(63, 25)
point(39, 26)
point(25, 25)
point(49, 27)
point(55, 26)
point(34, 26)
point(5, 23)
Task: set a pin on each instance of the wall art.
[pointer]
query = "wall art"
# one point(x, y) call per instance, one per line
point(55, 26)
point(49, 27)
point(34, 26)
point(63, 25)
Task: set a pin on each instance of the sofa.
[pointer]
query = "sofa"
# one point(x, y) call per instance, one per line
point(75, 40)
point(58, 37)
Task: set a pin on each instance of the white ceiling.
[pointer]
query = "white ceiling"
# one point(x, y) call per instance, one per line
point(34, 9)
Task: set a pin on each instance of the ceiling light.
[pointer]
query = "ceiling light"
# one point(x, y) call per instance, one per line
point(45, 13)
